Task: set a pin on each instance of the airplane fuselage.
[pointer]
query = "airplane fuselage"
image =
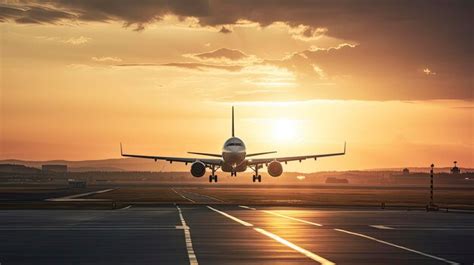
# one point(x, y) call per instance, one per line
point(233, 155)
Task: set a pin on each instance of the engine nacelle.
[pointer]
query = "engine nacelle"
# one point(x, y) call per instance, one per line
point(275, 169)
point(198, 169)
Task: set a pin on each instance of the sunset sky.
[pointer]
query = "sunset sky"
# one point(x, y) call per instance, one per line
point(392, 78)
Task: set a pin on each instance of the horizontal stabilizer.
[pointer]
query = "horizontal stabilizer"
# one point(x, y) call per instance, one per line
point(263, 153)
point(205, 154)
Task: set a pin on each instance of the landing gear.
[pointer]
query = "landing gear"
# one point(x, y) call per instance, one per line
point(233, 174)
point(256, 177)
point(213, 176)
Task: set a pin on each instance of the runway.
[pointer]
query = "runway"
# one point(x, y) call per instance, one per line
point(233, 234)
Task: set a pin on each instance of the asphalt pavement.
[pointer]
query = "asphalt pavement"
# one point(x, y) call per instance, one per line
point(233, 234)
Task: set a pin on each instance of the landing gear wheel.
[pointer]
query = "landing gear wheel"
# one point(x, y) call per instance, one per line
point(253, 178)
point(212, 178)
point(259, 178)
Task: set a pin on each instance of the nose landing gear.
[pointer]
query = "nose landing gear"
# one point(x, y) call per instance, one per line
point(257, 178)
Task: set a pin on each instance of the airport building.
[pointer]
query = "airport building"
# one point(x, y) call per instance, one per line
point(77, 183)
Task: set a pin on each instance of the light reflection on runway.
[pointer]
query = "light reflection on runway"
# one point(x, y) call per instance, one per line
point(128, 236)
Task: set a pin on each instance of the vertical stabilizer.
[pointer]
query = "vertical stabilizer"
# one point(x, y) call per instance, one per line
point(233, 121)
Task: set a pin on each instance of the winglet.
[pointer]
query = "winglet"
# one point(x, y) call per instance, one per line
point(344, 147)
point(121, 152)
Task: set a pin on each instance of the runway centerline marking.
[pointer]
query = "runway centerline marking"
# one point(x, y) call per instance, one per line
point(292, 218)
point(277, 238)
point(398, 246)
point(246, 207)
point(75, 196)
point(231, 217)
point(187, 237)
point(369, 237)
point(301, 250)
point(182, 196)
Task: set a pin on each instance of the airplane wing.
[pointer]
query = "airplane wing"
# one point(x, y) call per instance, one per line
point(292, 158)
point(174, 159)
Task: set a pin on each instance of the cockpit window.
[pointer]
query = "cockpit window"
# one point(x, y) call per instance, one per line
point(234, 144)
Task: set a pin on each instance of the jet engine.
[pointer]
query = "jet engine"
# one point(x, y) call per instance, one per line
point(198, 169)
point(275, 169)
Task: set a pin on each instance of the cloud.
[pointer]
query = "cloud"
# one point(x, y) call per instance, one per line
point(106, 59)
point(72, 40)
point(224, 56)
point(185, 65)
point(225, 30)
point(394, 37)
point(314, 48)
point(427, 71)
point(131, 13)
point(77, 41)
point(33, 14)
point(307, 33)
point(222, 53)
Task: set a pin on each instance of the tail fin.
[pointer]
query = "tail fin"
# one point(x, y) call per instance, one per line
point(233, 121)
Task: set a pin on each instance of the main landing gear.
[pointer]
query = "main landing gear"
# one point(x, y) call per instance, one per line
point(213, 176)
point(256, 177)
point(233, 174)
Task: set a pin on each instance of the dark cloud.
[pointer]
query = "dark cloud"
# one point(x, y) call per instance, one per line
point(34, 14)
point(396, 37)
point(137, 13)
point(225, 30)
point(222, 53)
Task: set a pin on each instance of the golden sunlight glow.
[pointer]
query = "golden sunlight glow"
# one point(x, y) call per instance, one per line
point(284, 129)
point(301, 177)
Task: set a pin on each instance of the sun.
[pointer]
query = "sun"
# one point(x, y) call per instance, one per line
point(284, 129)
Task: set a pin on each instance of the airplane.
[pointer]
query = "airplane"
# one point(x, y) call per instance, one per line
point(234, 159)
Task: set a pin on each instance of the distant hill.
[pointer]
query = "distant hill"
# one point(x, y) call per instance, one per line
point(119, 164)
point(18, 169)
point(422, 169)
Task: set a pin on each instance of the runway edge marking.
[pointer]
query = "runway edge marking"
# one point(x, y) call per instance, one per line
point(246, 207)
point(398, 246)
point(383, 227)
point(187, 236)
point(75, 196)
point(277, 238)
